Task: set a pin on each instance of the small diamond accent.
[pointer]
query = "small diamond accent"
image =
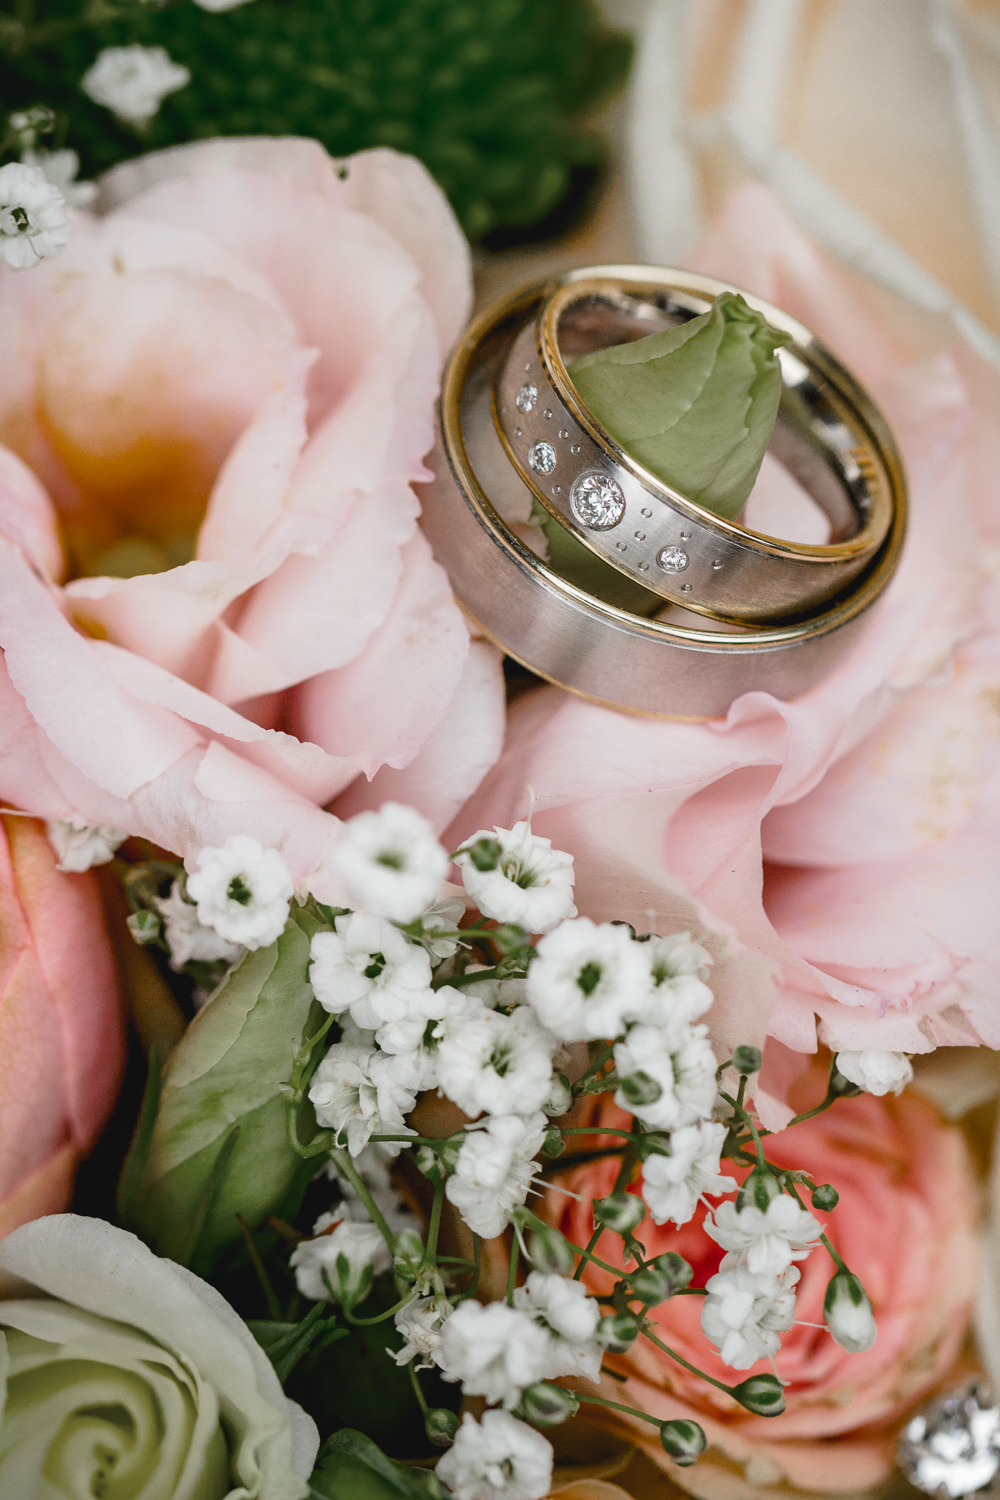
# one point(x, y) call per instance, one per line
point(622, 546)
point(644, 566)
point(672, 559)
point(640, 536)
point(526, 398)
point(517, 432)
point(563, 432)
point(686, 536)
point(574, 448)
point(685, 588)
point(547, 413)
point(646, 512)
point(597, 501)
point(717, 564)
point(542, 457)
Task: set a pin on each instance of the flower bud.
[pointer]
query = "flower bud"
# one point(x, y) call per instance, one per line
point(840, 1086)
point(848, 1313)
point(437, 1162)
point(440, 1425)
point(639, 1089)
point(485, 853)
point(762, 1394)
point(653, 1143)
point(683, 1441)
point(546, 1405)
point(144, 926)
point(409, 1254)
point(560, 1099)
point(825, 1197)
point(617, 1332)
point(621, 1212)
point(553, 1144)
point(675, 1270)
point(694, 404)
point(759, 1189)
point(650, 1286)
point(747, 1060)
point(549, 1252)
point(511, 939)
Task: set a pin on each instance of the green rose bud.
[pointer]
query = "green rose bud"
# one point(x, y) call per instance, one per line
point(129, 1376)
point(759, 1190)
point(217, 1145)
point(549, 1252)
point(621, 1212)
point(617, 1332)
point(694, 404)
point(685, 1442)
point(761, 1394)
point(848, 1313)
point(825, 1197)
point(440, 1425)
point(546, 1405)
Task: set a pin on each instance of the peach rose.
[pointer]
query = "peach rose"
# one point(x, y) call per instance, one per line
point(848, 843)
point(216, 608)
point(62, 1043)
point(905, 1225)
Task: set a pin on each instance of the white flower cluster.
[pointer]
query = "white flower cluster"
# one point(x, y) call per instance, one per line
point(133, 81)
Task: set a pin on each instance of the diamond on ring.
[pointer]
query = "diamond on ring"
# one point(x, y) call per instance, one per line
point(526, 398)
point(672, 559)
point(542, 457)
point(596, 501)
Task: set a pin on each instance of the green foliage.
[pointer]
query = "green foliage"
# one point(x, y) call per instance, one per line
point(486, 92)
point(219, 1145)
point(352, 1467)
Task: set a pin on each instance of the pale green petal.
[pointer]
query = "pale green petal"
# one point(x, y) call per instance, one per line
point(694, 404)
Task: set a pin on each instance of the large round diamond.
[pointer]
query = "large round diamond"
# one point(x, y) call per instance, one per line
point(597, 501)
point(542, 457)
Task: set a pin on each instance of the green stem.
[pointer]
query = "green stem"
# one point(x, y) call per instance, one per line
point(632, 1411)
point(628, 1135)
point(515, 1251)
point(587, 1255)
point(273, 1305)
point(682, 1361)
point(432, 1232)
point(415, 1382)
point(381, 1317)
point(761, 1163)
point(477, 1251)
point(595, 1067)
point(346, 1168)
point(824, 1239)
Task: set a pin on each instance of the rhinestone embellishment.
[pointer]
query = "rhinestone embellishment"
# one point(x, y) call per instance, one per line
point(672, 559)
point(596, 501)
point(526, 398)
point(542, 457)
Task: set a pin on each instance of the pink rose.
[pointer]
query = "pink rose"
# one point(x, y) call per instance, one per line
point(226, 387)
point(896, 1166)
point(847, 844)
point(62, 1043)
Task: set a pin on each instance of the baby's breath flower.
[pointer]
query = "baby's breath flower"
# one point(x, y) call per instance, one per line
point(530, 884)
point(589, 981)
point(495, 1351)
point(672, 1185)
point(242, 891)
point(33, 222)
point(564, 1308)
point(366, 965)
point(876, 1072)
point(767, 1240)
point(358, 1092)
point(420, 1322)
point(187, 938)
point(391, 861)
point(344, 1249)
point(677, 1069)
point(81, 845)
point(494, 1171)
point(744, 1313)
point(679, 967)
point(498, 1458)
point(497, 1063)
point(133, 81)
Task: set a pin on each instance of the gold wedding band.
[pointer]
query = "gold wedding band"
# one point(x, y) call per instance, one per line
point(599, 640)
point(643, 527)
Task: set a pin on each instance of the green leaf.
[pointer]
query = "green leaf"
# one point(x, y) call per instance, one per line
point(694, 404)
point(286, 1343)
point(228, 1071)
point(352, 1467)
point(130, 1181)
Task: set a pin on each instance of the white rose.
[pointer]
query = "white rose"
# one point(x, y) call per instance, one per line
point(132, 1375)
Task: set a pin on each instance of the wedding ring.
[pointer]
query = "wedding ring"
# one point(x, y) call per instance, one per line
point(828, 436)
point(598, 642)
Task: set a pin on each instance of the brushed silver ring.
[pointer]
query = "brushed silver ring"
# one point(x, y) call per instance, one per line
point(624, 514)
point(585, 641)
